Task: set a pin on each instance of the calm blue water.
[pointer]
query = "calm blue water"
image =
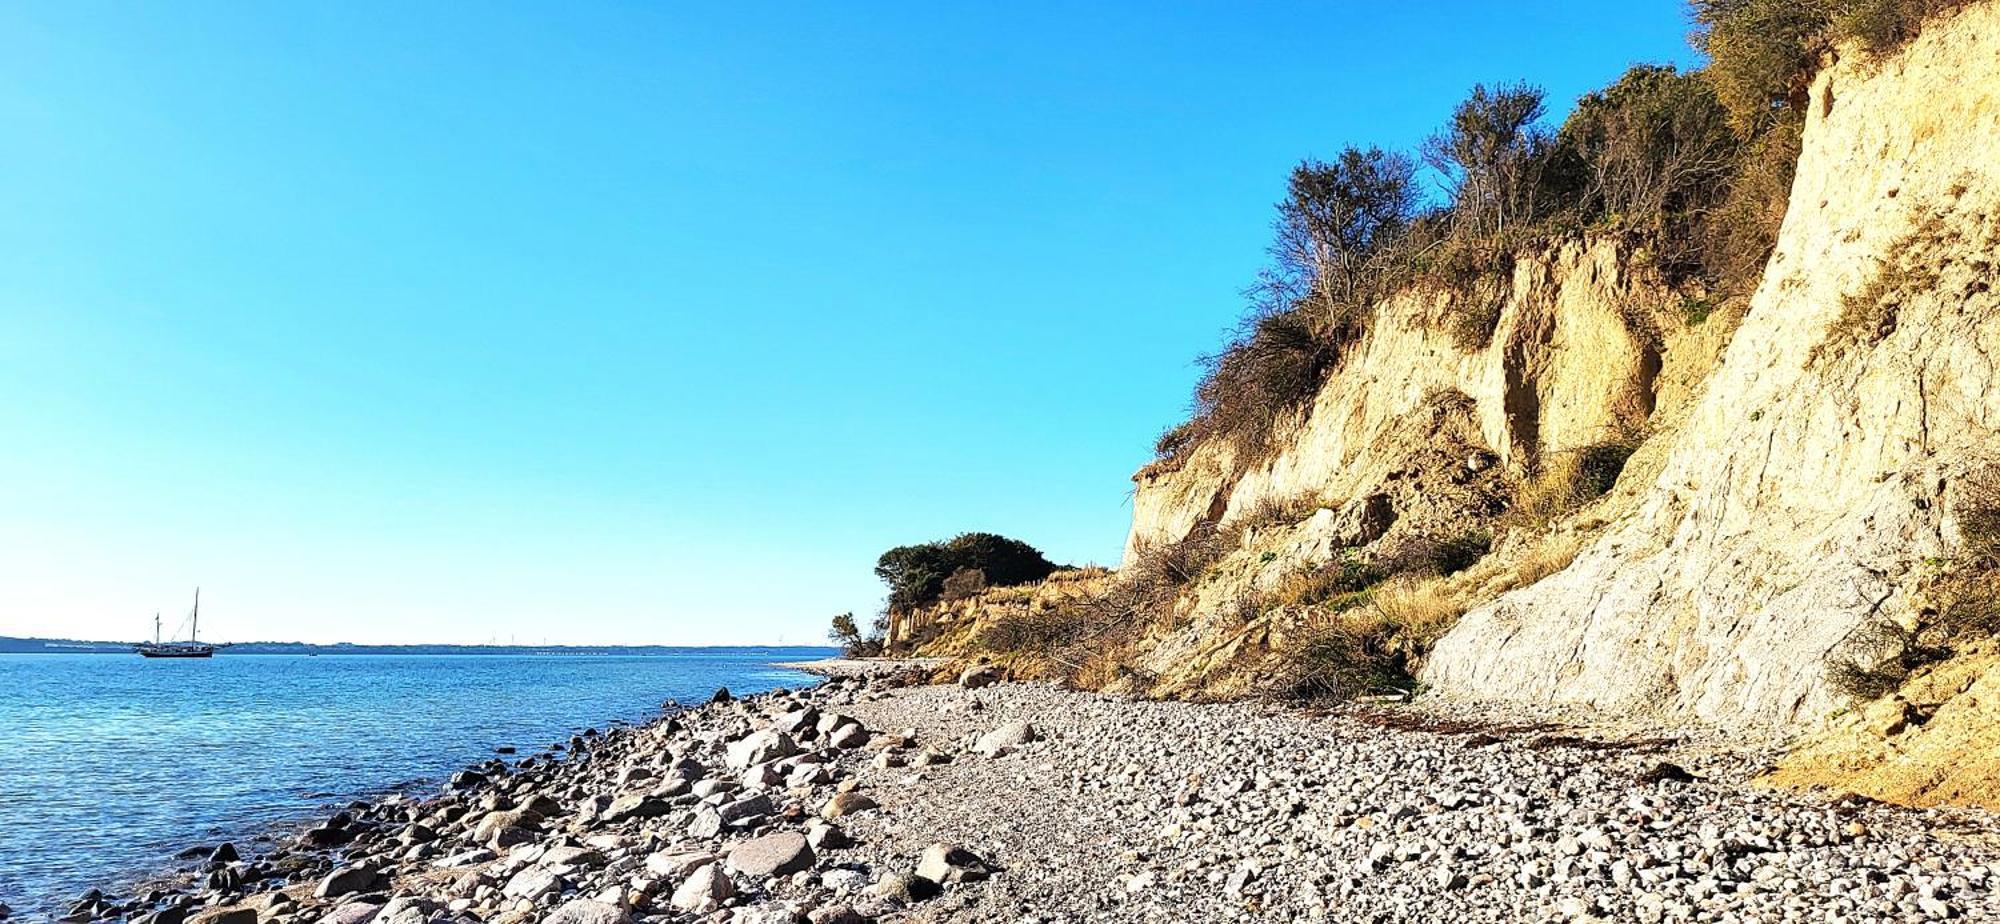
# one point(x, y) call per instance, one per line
point(109, 764)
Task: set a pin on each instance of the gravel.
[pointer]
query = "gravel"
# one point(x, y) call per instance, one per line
point(862, 800)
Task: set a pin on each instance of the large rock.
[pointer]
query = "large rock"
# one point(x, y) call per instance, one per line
point(1011, 735)
point(771, 855)
point(347, 880)
point(984, 675)
point(744, 810)
point(494, 822)
point(588, 911)
point(232, 914)
point(636, 805)
point(677, 865)
point(946, 863)
point(532, 883)
point(766, 745)
point(353, 913)
point(845, 803)
point(704, 891)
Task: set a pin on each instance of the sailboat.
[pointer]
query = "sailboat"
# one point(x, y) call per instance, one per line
point(192, 648)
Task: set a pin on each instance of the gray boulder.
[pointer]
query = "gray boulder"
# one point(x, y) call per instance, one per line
point(771, 855)
point(1011, 735)
point(588, 911)
point(704, 891)
point(346, 880)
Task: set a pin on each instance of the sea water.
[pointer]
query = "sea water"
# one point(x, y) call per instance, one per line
point(110, 764)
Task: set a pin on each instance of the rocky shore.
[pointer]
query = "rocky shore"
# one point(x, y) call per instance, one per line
point(869, 799)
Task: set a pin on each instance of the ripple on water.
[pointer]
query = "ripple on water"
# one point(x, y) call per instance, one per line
point(112, 763)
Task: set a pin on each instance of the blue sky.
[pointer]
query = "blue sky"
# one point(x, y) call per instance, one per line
point(640, 322)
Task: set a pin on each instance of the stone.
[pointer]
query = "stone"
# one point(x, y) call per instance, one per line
point(494, 822)
point(824, 836)
point(764, 914)
point(636, 805)
point(704, 891)
point(588, 911)
point(946, 863)
point(231, 914)
point(1362, 521)
point(984, 675)
point(904, 887)
point(677, 865)
point(771, 855)
point(834, 914)
point(532, 883)
point(760, 747)
point(1011, 735)
point(347, 880)
point(848, 736)
point(846, 803)
point(572, 857)
point(744, 810)
point(352, 913)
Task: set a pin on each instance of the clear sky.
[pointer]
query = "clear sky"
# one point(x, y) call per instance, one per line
point(642, 322)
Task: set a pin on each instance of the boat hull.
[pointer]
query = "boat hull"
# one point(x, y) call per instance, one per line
point(175, 651)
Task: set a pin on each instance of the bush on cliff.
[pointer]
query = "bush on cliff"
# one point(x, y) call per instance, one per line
point(917, 574)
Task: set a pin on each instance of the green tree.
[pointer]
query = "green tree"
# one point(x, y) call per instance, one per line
point(845, 632)
point(916, 574)
point(1654, 152)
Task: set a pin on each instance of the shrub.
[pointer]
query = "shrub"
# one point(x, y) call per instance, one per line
point(1912, 266)
point(1275, 367)
point(1342, 581)
point(1431, 556)
point(1882, 26)
point(963, 583)
point(1654, 150)
point(916, 574)
point(1494, 155)
point(1761, 55)
point(1962, 603)
point(1422, 610)
point(1339, 657)
point(1031, 630)
point(1737, 234)
point(846, 634)
point(1335, 228)
point(1175, 564)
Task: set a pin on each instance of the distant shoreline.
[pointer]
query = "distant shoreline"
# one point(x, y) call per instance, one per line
point(13, 645)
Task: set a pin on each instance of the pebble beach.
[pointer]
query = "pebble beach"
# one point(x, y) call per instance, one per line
point(878, 797)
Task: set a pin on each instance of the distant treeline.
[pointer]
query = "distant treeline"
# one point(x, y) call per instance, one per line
point(11, 645)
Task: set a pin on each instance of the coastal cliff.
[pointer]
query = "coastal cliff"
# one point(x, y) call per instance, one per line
point(1818, 470)
point(1631, 492)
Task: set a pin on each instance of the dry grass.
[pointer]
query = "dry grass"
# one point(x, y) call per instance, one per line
point(1422, 610)
point(1567, 480)
point(1546, 558)
point(1911, 266)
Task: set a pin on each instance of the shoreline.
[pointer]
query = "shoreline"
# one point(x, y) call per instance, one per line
point(167, 865)
point(1012, 802)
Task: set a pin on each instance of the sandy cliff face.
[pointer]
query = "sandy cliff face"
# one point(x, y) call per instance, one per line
point(1815, 472)
point(1576, 357)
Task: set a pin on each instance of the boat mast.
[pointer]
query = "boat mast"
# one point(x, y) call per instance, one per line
point(194, 632)
point(156, 627)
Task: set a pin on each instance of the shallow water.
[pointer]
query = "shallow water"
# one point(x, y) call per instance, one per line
point(109, 764)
